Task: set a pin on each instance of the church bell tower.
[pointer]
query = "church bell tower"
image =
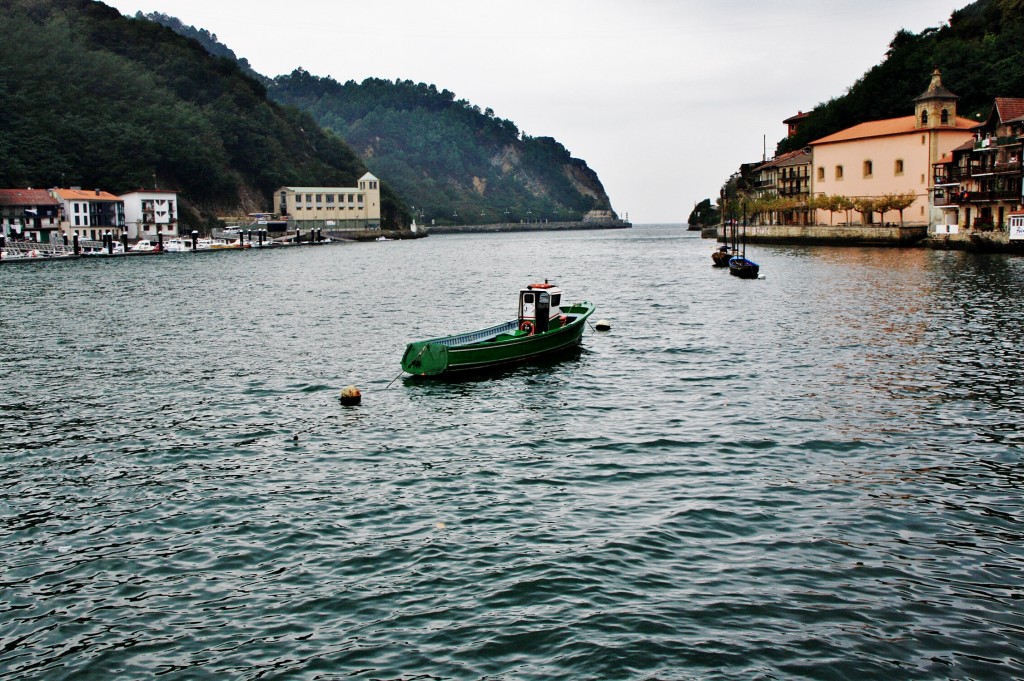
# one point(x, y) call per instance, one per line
point(936, 108)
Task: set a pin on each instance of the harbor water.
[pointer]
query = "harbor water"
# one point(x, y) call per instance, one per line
point(813, 475)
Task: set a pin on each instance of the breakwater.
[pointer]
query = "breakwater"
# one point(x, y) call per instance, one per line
point(528, 227)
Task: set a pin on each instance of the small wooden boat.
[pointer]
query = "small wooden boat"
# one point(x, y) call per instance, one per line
point(743, 268)
point(720, 258)
point(545, 326)
point(739, 265)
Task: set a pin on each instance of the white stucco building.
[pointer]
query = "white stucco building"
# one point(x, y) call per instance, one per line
point(150, 213)
point(89, 213)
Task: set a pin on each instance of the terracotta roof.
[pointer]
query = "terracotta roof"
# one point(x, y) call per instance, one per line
point(1010, 108)
point(798, 117)
point(789, 158)
point(85, 195)
point(966, 146)
point(887, 127)
point(794, 158)
point(26, 197)
point(948, 158)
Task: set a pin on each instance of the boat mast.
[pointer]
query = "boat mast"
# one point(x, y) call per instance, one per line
point(744, 237)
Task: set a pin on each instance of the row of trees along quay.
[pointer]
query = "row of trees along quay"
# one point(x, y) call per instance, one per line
point(762, 209)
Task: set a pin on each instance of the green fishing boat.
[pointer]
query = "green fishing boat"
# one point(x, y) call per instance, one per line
point(546, 325)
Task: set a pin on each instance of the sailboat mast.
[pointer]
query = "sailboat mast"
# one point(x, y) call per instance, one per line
point(744, 238)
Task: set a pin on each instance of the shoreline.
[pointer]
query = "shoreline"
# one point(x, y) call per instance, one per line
point(917, 236)
point(502, 227)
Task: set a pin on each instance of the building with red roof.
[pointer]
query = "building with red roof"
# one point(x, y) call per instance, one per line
point(90, 213)
point(979, 185)
point(30, 214)
point(893, 156)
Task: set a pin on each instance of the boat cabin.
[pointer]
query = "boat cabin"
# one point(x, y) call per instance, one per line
point(539, 309)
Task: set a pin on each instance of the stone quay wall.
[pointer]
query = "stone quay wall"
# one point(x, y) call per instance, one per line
point(915, 235)
point(867, 235)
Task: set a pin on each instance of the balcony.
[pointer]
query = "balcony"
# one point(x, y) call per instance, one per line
point(967, 198)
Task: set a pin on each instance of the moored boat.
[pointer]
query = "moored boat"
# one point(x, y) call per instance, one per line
point(720, 258)
point(184, 245)
point(544, 326)
point(739, 264)
point(744, 268)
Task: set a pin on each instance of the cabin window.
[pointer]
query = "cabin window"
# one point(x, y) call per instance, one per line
point(868, 168)
point(556, 300)
point(528, 298)
point(839, 172)
point(898, 168)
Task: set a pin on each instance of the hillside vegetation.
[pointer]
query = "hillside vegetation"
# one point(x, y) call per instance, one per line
point(447, 157)
point(980, 52)
point(95, 99)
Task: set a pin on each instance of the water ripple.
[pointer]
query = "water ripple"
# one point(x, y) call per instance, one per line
point(816, 475)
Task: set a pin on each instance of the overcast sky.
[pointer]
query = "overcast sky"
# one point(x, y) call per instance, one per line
point(662, 98)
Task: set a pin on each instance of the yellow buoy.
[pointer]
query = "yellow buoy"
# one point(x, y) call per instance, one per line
point(603, 325)
point(350, 395)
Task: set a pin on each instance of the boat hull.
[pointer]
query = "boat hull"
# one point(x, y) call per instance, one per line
point(496, 347)
point(743, 268)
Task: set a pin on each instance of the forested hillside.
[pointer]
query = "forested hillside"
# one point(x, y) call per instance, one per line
point(445, 156)
point(95, 99)
point(980, 52)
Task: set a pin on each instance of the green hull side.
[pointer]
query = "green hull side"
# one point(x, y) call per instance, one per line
point(432, 357)
point(426, 358)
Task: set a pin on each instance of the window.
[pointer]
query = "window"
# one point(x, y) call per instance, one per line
point(944, 117)
point(924, 117)
point(898, 169)
point(839, 172)
point(868, 168)
point(821, 174)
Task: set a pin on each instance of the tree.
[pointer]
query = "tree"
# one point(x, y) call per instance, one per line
point(866, 206)
point(901, 202)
